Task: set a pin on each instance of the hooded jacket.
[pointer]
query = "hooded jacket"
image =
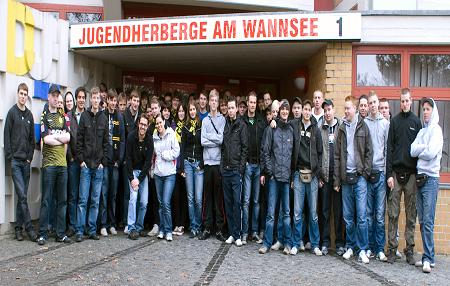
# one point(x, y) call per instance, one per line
point(363, 152)
point(212, 138)
point(166, 151)
point(92, 139)
point(379, 131)
point(235, 145)
point(19, 134)
point(138, 155)
point(427, 146)
point(277, 148)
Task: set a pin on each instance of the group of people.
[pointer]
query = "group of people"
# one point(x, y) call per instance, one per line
point(244, 169)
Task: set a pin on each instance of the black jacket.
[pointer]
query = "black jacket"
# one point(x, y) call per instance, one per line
point(191, 146)
point(315, 143)
point(138, 155)
point(92, 139)
point(116, 151)
point(403, 130)
point(235, 146)
point(72, 148)
point(254, 134)
point(130, 121)
point(19, 134)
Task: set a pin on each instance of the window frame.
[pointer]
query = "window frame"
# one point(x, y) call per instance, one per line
point(63, 9)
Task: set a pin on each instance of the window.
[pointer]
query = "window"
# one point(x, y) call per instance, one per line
point(378, 70)
point(78, 17)
point(429, 71)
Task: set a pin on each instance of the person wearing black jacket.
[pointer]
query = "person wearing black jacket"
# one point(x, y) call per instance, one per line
point(232, 163)
point(251, 185)
point(138, 161)
point(92, 152)
point(307, 169)
point(19, 149)
point(401, 173)
point(116, 150)
point(191, 165)
point(73, 165)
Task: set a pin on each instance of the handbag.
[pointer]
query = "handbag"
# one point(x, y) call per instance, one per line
point(402, 178)
point(374, 177)
point(351, 178)
point(421, 179)
point(305, 176)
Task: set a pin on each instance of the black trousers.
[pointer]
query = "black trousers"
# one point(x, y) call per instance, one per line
point(180, 215)
point(213, 209)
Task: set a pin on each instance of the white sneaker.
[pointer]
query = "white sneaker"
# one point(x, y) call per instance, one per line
point(154, 230)
point(302, 246)
point(230, 240)
point(160, 235)
point(381, 256)
point(348, 254)
point(420, 264)
point(317, 251)
point(169, 237)
point(238, 242)
point(175, 231)
point(294, 250)
point(363, 257)
point(369, 253)
point(125, 230)
point(103, 232)
point(277, 246)
point(287, 250)
point(398, 253)
point(426, 267)
point(113, 230)
point(180, 230)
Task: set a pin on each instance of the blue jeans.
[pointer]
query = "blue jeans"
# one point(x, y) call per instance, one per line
point(55, 185)
point(90, 187)
point(73, 169)
point(250, 189)
point(164, 190)
point(107, 211)
point(20, 171)
point(277, 190)
point(376, 207)
point(311, 192)
point(194, 189)
point(426, 210)
point(355, 195)
point(136, 222)
point(232, 185)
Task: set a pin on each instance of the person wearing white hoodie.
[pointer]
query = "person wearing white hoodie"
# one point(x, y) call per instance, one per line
point(376, 184)
point(165, 154)
point(427, 147)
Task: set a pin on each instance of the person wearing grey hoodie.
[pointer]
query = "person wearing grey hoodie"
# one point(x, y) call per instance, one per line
point(376, 186)
point(427, 148)
point(211, 139)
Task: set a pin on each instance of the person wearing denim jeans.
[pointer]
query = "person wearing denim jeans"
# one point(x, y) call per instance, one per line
point(138, 161)
point(251, 181)
point(307, 163)
point(427, 147)
point(276, 158)
point(19, 149)
point(166, 152)
point(352, 165)
point(92, 152)
point(55, 129)
point(73, 165)
point(191, 156)
point(376, 186)
point(116, 150)
point(232, 163)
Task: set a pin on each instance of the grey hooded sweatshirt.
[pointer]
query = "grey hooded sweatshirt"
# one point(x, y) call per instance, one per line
point(379, 131)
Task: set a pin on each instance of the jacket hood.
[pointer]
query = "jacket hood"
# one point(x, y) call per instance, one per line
point(434, 116)
point(168, 131)
point(378, 117)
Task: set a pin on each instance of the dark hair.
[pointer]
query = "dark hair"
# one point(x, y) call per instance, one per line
point(232, 99)
point(178, 109)
point(22, 86)
point(252, 93)
point(78, 90)
point(363, 96)
point(306, 102)
point(144, 115)
point(135, 93)
point(384, 99)
point(73, 99)
point(188, 117)
point(103, 87)
point(111, 94)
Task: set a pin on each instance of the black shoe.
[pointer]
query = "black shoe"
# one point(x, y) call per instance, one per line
point(133, 235)
point(51, 233)
point(79, 238)
point(219, 236)
point(142, 234)
point(70, 232)
point(392, 256)
point(32, 235)
point(18, 234)
point(64, 239)
point(410, 257)
point(204, 235)
point(193, 234)
point(94, 236)
point(41, 240)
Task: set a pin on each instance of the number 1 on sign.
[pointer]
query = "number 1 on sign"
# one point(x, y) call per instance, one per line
point(340, 26)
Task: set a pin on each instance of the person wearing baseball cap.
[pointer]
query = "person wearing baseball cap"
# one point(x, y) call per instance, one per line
point(242, 107)
point(297, 108)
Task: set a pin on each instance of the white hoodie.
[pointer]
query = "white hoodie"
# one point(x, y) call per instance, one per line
point(166, 151)
point(428, 146)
